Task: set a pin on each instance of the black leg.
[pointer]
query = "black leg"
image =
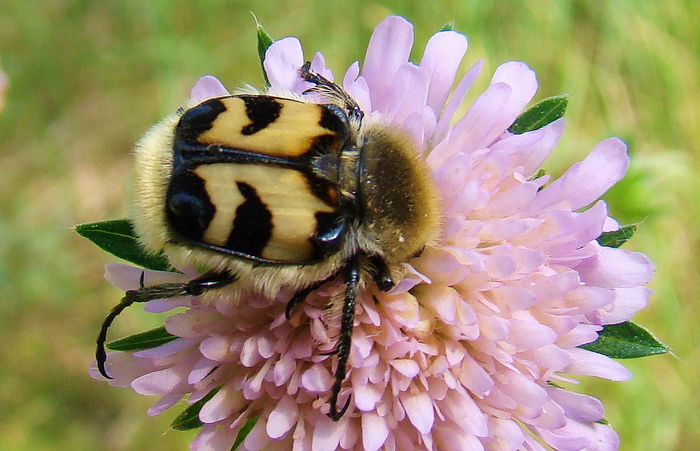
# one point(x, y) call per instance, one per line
point(195, 287)
point(347, 320)
point(380, 273)
point(301, 295)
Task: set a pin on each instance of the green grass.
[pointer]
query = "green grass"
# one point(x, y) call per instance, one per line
point(88, 78)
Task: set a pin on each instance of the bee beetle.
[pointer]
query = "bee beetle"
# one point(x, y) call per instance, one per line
point(280, 192)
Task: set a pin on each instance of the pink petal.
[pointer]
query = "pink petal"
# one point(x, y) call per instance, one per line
point(213, 437)
point(216, 348)
point(283, 417)
point(388, 49)
point(406, 367)
point(616, 268)
point(359, 91)
point(587, 180)
point(283, 369)
point(208, 87)
point(521, 388)
point(316, 379)
point(222, 405)
point(451, 438)
point(576, 436)
point(605, 438)
point(257, 438)
point(165, 305)
point(531, 149)
point(326, 434)
point(202, 369)
point(159, 382)
point(366, 397)
point(283, 60)
point(460, 407)
point(443, 54)
point(166, 350)
point(124, 368)
point(318, 65)
point(124, 277)
point(578, 407)
point(510, 201)
point(409, 92)
point(527, 333)
point(374, 431)
point(587, 363)
point(420, 411)
point(628, 301)
point(351, 75)
point(443, 302)
point(164, 403)
point(475, 377)
point(570, 437)
point(451, 108)
point(192, 323)
point(523, 83)
point(480, 125)
point(590, 298)
point(506, 434)
point(581, 334)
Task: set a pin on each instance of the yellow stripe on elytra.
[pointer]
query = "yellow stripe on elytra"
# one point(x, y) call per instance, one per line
point(291, 135)
point(286, 194)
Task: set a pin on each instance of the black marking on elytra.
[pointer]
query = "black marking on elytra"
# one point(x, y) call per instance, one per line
point(189, 209)
point(333, 118)
point(329, 144)
point(262, 111)
point(252, 226)
point(198, 120)
point(324, 187)
point(331, 230)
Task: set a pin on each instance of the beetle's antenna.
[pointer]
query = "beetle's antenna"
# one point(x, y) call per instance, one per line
point(332, 91)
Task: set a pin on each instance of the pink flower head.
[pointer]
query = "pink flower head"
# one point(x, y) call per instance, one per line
point(467, 351)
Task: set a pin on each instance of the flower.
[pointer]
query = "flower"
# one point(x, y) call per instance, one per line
point(470, 349)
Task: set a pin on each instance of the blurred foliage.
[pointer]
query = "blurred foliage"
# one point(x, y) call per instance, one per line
point(87, 78)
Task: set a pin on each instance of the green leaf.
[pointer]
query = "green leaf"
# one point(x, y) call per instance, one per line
point(449, 26)
point(618, 237)
point(626, 341)
point(119, 239)
point(189, 418)
point(243, 433)
point(144, 340)
point(545, 112)
point(540, 173)
point(264, 42)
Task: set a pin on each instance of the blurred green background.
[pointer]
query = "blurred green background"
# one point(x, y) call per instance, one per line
point(88, 78)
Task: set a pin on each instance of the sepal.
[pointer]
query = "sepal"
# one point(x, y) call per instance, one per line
point(543, 113)
point(118, 237)
point(144, 340)
point(626, 341)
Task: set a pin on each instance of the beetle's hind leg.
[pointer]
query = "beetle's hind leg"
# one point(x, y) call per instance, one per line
point(195, 287)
